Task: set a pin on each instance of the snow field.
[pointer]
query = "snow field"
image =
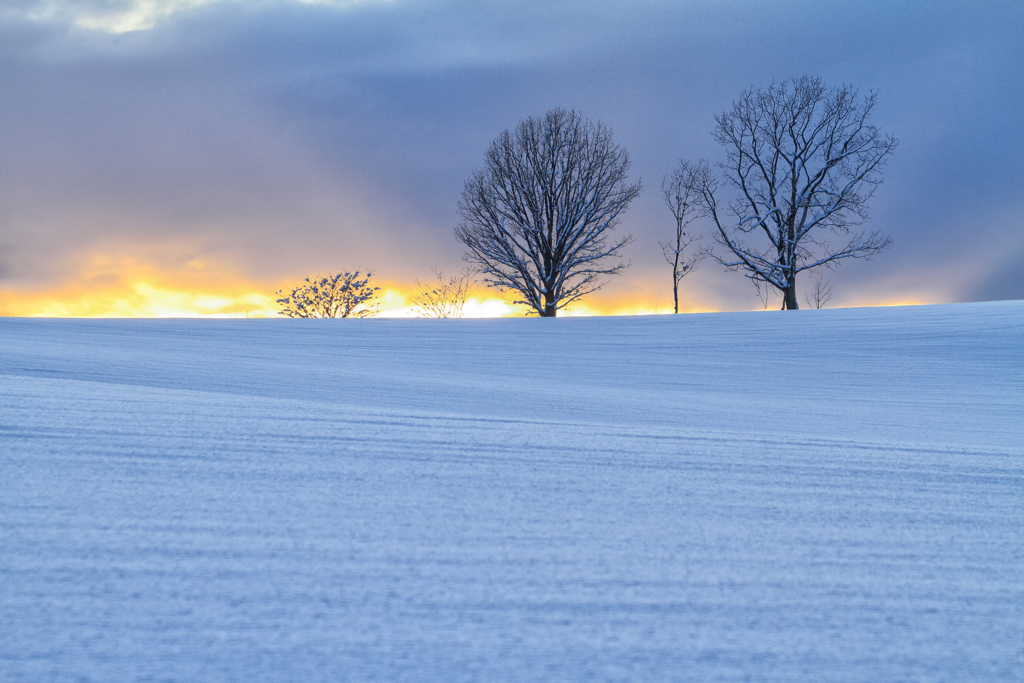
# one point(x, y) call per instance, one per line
point(787, 496)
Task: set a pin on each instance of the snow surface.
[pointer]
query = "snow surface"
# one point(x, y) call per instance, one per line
point(784, 496)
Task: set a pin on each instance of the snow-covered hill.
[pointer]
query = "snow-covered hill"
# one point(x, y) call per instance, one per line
point(816, 496)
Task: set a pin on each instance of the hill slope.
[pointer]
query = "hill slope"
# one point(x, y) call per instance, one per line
point(808, 496)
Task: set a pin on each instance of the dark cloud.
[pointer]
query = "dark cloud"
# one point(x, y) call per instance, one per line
point(280, 136)
point(1006, 283)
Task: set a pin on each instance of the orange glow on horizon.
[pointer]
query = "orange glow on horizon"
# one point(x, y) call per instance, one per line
point(127, 288)
point(144, 294)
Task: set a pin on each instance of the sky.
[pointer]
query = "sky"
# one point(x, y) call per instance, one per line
point(192, 157)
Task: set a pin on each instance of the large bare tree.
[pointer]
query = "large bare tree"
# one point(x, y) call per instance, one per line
point(804, 161)
point(537, 219)
point(681, 191)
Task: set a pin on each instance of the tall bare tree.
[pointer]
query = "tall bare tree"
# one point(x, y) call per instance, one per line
point(804, 162)
point(336, 295)
point(537, 219)
point(681, 191)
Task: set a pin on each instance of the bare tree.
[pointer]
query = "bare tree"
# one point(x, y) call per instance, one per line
point(537, 219)
point(821, 294)
point(804, 162)
point(681, 191)
point(339, 295)
point(444, 298)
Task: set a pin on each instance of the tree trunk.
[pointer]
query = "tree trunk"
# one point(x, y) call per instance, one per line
point(675, 293)
point(549, 308)
point(790, 302)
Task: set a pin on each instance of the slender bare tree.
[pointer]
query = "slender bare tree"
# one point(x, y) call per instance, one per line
point(681, 191)
point(444, 298)
point(337, 295)
point(537, 219)
point(821, 294)
point(804, 162)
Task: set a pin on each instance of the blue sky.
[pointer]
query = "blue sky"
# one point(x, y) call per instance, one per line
point(263, 140)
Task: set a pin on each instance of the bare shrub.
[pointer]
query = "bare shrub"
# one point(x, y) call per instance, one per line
point(339, 295)
point(446, 296)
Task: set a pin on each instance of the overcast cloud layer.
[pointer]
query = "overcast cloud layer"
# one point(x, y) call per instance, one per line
point(275, 138)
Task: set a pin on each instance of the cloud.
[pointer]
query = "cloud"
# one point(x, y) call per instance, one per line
point(276, 138)
point(124, 16)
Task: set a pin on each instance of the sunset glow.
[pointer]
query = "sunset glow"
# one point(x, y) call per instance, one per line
point(127, 288)
point(157, 297)
point(108, 287)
